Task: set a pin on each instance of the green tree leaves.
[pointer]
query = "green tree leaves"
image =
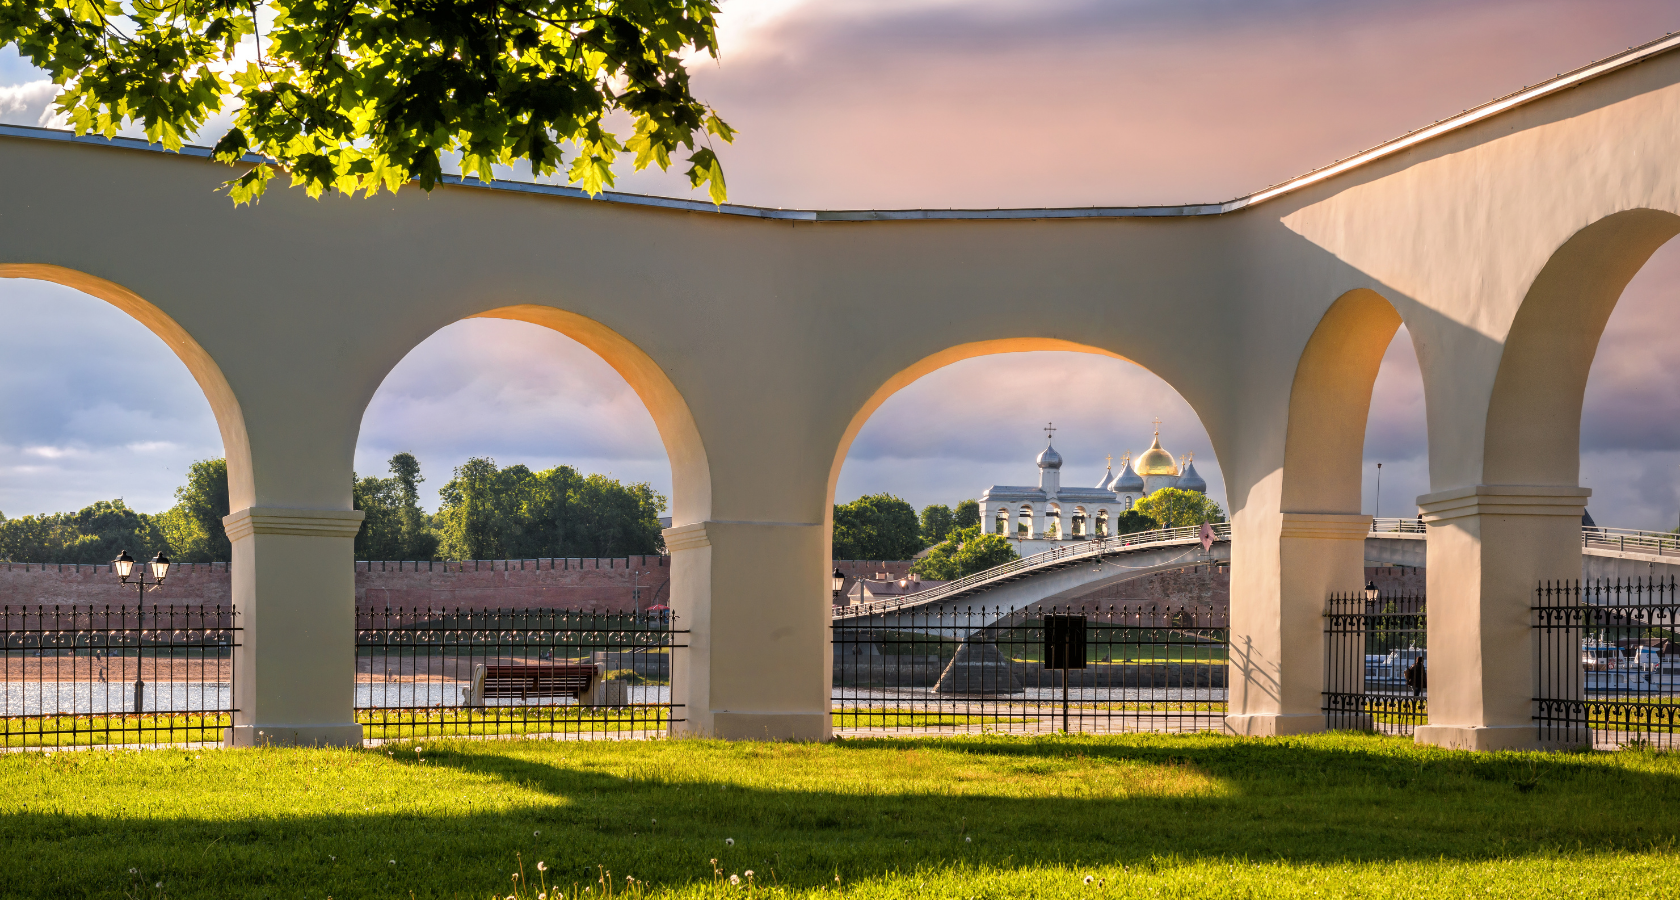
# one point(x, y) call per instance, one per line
point(194, 525)
point(1174, 508)
point(967, 515)
point(363, 95)
point(965, 552)
point(96, 534)
point(394, 527)
point(514, 513)
point(937, 522)
point(878, 526)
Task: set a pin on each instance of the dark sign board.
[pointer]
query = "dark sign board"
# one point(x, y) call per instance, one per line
point(1064, 642)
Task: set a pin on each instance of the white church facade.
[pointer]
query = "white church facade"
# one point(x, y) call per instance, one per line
point(1050, 515)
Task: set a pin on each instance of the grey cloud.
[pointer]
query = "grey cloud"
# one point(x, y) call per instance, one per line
point(92, 406)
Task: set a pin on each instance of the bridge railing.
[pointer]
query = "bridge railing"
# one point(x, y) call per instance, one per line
point(1397, 526)
point(1662, 543)
point(1141, 540)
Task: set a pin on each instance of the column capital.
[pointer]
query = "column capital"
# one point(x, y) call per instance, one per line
point(686, 537)
point(1326, 526)
point(699, 534)
point(336, 523)
point(1505, 500)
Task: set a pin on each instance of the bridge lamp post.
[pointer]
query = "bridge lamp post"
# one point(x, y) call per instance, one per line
point(1378, 511)
point(123, 565)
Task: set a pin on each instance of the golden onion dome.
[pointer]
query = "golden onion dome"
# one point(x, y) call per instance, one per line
point(1156, 461)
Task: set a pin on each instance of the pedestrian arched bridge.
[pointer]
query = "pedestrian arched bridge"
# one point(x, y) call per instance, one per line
point(1060, 575)
point(1057, 575)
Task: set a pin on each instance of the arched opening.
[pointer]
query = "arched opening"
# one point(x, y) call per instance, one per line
point(230, 421)
point(1533, 434)
point(555, 455)
point(108, 445)
point(1630, 410)
point(1330, 402)
point(1050, 468)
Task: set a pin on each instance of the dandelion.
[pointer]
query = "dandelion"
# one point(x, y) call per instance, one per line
point(133, 871)
point(749, 874)
point(542, 895)
point(542, 866)
point(734, 879)
point(1089, 879)
point(516, 876)
point(159, 885)
point(967, 839)
point(536, 834)
point(392, 862)
point(729, 842)
point(656, 821)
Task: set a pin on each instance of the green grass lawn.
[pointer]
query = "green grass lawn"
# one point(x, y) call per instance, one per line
point(985, 816)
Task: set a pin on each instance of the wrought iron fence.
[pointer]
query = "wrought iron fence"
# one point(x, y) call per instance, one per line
point(528, 672)
point(1607, 663)
point(1376, 664)
point(1147, 667)
point(79, 676)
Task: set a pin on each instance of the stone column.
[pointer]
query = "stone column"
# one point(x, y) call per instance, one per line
point(1276, 680)
point(1040, 515)
point(1489, 546)
point(744, 591)
point(294, 599)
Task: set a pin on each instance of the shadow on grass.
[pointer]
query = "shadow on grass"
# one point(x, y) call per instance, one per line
point(1329, 800)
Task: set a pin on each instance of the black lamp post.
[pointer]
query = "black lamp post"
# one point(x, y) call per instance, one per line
point(1371, 592)
point(839, 583)
point(123, 565)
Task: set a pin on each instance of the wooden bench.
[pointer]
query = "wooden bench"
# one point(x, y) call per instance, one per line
point(579, 681)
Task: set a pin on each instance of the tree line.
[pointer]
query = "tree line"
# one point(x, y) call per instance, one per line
point(487, 512)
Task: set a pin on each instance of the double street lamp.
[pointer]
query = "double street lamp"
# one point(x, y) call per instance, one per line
point(123, 565)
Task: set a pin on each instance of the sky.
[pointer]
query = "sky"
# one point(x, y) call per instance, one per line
point(929, 103)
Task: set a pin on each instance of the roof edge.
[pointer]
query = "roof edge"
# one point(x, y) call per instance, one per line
point(1475, 114)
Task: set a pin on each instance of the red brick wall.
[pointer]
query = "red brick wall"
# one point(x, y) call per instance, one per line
point(601, 585)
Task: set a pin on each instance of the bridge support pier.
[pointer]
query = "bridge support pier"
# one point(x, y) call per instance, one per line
point(1488, 546)
point(1277, 630)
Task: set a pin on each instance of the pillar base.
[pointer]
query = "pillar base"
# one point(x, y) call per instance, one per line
point(1273, 724)
point(293, 736)
point(732, 726)
point(1490, 738)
